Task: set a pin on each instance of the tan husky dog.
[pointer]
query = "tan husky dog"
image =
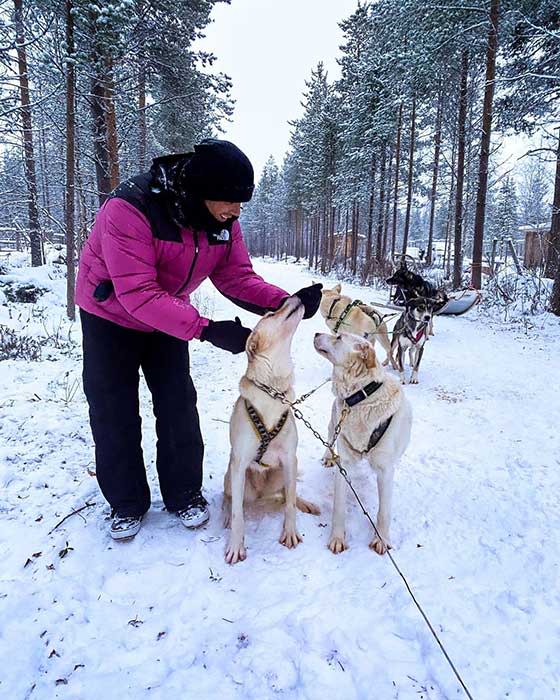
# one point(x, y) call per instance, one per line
point(263, 433)
point(376, 428)
point(341, 314)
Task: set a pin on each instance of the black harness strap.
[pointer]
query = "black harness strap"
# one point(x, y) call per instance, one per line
point(378, 433)
point(266, 436)
point(359, 396)
point(376, 317)
point(335, 302)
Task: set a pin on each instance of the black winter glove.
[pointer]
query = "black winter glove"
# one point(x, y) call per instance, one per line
point(311, 298)
point(228, 335)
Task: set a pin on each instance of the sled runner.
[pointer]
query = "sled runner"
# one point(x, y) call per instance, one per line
point(458, 303)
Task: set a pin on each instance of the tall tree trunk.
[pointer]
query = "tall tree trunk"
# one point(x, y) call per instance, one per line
point(111, 117)
point(101, 155)
point(461, 124)
point(334, 214)
point(387, 206)
point(379, 242)
point(437, 148)
point(142, 128)
point(99, 116)
point(396, 187)
point(324, 240)
point(410, 173)
point(27, 128)
point(446, 263)
point(555, 296)
point(355, 234)
point(553, 253)
point(298, 229)
point(369, 245)
point(317, 239)
point(46, 203)
point(70, 162)
point(346, 238)
point(485, 145)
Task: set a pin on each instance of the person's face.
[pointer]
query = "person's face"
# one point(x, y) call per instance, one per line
point(222, 211)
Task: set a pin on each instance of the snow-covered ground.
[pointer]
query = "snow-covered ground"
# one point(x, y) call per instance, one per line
point(475, 530)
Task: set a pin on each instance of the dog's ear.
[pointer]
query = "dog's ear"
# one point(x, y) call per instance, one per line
point(253, 343)
point(367, 354)
point(337, 288)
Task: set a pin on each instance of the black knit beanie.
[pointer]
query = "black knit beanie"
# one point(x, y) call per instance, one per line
point(219, 171)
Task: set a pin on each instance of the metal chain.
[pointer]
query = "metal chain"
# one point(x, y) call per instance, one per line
point(275, 394)
point(281, 395)
point(304, 397)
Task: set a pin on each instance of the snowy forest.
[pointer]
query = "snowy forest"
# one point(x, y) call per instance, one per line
point(433, 152)
point(409, 147)
point(89, 93)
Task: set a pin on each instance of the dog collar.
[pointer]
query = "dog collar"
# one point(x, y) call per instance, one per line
point(335, 302)
point(363, 393)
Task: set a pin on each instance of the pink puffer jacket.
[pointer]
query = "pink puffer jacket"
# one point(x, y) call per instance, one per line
point(152, 278)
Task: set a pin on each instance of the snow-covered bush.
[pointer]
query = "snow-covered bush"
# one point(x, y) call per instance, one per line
point(18, 347)
point(516, 296)
point(20, 292)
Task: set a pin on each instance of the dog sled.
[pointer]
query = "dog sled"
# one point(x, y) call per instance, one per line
point(458, 303)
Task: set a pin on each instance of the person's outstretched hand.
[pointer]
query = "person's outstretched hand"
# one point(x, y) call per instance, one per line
point(227, 335)
point(311, 298)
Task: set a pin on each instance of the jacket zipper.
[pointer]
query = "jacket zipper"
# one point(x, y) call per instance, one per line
point(185, 284)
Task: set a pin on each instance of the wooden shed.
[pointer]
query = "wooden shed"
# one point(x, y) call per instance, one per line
point(536, 245)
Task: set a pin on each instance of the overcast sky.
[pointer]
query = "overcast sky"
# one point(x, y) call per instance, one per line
point(268, 48)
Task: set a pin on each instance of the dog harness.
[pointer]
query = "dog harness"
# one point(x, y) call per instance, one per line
point(265, 436)
point(359, 396)
point(416, 338)
point(376, 318)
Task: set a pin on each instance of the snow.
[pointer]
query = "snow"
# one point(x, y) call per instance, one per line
point(475, 530)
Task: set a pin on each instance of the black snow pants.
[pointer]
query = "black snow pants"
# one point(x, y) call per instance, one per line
point(113, 356)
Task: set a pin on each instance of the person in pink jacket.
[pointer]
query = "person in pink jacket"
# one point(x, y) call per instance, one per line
point(154, 241)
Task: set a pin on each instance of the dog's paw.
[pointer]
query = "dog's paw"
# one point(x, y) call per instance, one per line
point(235, 553)
point(290, 538)
point(403, 380)
point(414, 379)
point(307, 507)
point(337, 545)
point(328, 461)
point(379, 545)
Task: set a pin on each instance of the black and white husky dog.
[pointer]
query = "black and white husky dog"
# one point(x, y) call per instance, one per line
point(410, 333)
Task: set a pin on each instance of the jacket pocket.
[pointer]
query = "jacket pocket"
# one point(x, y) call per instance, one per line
point(103, 290)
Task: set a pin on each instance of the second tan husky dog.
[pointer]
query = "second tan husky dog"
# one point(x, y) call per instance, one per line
point(343, 315)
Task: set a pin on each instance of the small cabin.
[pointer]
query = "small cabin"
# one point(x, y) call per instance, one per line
point(536, 244)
